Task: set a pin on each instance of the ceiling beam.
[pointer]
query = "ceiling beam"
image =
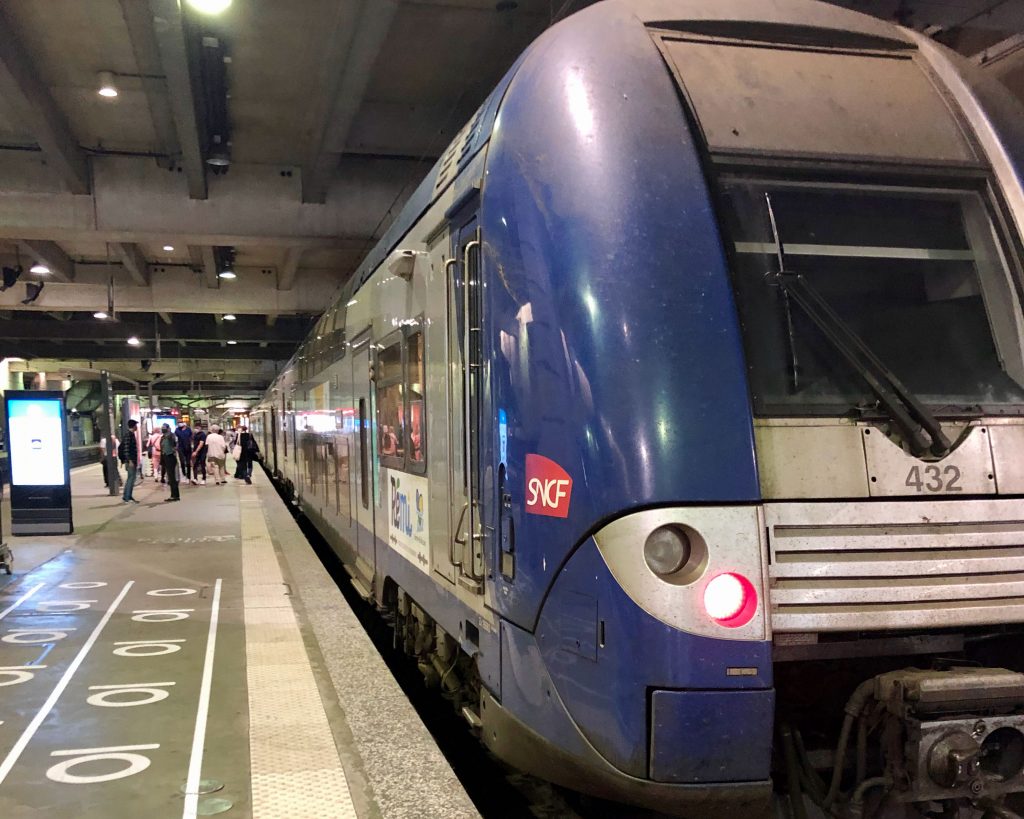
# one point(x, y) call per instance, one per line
point(139, 19)
point(225, 367)
point(62, 269)
point(289, 268)
point(203, 258)
point(345, 75)
point(114, 352)
point(136, 201)
point(175, 291)
point(169, 26)
point(166, 318)
point(27, 327)
point(134, 262)
point(40, 115)
point(1002, 56)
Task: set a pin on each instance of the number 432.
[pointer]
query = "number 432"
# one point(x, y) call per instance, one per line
point(934, 478)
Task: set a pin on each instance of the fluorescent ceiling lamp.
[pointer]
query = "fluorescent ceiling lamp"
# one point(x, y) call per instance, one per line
point(227, 274)
point(100, 315)
point(210, 6)
point(229, 317)
point(40, 268)
point(134, 341)
point(168, 248)
point(354, 301)
point(232, 342)
point(106, 82)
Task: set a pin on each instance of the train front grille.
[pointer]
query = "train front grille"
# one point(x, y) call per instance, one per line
point(879, 565)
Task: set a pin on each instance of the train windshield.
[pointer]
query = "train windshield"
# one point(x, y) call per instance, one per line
point(918, 275)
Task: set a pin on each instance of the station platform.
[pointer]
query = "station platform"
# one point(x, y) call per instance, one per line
point(195, 659)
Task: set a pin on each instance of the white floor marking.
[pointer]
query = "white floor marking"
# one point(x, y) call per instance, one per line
point(136, 763)
point(21, 600)
point(150, 693)
point(195, 765)
point(29, 732)
point(160, 615)
point(18, 673)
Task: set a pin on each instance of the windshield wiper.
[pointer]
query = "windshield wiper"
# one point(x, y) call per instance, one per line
point(920, 428)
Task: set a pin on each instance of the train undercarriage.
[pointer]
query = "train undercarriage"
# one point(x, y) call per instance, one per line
point(901, 726)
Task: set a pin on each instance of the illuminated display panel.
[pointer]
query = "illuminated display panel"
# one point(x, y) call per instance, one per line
point(36, 445)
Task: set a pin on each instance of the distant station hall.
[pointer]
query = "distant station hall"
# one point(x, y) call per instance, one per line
point(568, 409)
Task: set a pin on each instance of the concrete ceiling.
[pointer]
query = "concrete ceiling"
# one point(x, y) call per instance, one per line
point(330, 112)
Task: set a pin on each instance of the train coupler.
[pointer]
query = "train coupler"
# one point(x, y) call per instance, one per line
point(951, 735)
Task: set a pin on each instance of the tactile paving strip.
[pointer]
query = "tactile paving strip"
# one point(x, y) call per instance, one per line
point(295, 767)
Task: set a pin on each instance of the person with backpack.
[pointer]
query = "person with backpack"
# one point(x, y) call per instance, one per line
point(169, 461)
point(128, 454)
point(248, 450)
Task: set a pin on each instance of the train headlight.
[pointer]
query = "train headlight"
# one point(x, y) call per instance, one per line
point(699, 569)
point(666, 550)
point(730, 599)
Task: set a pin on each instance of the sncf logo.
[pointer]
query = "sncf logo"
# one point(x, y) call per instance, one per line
point(548, 487)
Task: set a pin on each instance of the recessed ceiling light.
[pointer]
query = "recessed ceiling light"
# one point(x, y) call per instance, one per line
point(229, 317)
point(210, 6)
point(106, 84)
point(232, 342)
point(100, 315)
point(40, 268)
point(134, 341)
point(168, 248)
point(227, 274)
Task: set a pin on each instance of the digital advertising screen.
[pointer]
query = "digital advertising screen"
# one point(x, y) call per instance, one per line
point(160, 420)
point(36, 441)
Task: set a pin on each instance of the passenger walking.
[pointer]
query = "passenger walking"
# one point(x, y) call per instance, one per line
point(216, 455)
point(169, 461)
point(184, 437)
point(198, 454)
point(128, 454)
point(248, 450)
point(153, 451)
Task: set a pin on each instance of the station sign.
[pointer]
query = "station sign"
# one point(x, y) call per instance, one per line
point(40, 472)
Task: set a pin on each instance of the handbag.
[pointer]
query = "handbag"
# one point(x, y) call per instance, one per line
point(236, 451)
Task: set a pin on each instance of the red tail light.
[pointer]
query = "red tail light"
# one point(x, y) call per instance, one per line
point(730, 600)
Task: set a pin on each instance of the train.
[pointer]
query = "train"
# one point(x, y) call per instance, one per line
point(676, 422)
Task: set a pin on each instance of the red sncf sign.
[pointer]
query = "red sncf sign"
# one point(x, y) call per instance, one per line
point(548, 487)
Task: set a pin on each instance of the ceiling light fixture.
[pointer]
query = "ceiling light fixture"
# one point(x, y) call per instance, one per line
point(134, 341)
point(168, 248)
point(99, 314)
point(229, 317)
point(227, 274)
point(232, 342)
point(106, 84)
point(39, 268)
point(210, 6)
point(352, 303)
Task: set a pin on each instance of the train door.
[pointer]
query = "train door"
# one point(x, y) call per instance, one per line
point(467, 547)
point(363, 454)
point(273, 441)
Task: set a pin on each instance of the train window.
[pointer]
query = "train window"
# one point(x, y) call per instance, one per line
point(390, 405)
point(757, 98)
point(415, 392)
point(917, 274)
